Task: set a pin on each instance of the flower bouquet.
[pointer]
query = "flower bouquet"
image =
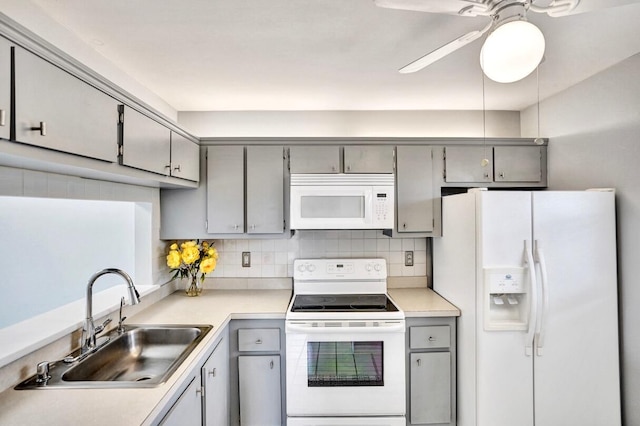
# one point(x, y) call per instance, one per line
point(192, 260)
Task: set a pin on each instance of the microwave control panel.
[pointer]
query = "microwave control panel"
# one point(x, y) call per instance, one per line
point(383, 205)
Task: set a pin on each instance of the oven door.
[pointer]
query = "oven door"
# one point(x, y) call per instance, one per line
point(345, 368)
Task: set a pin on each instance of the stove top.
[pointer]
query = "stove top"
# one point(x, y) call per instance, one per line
point(342, 303)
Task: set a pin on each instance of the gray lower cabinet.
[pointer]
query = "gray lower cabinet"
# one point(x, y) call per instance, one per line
point(257, 364)
point(232, 172)
point(415, 201)
point(431, 371)
point(55, 110)
point(5, 88)
point(368, 159)
point(205, 400)
point(144, 143)
point(215, 381)
point(259, 387)
point(314, 159)
point(187, 411)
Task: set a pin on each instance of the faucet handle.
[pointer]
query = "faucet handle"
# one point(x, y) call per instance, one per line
point(100, 328)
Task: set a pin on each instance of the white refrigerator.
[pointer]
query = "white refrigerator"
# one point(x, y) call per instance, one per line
point(534, 276)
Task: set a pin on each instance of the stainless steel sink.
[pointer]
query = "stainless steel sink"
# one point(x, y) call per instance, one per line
point(142, 356)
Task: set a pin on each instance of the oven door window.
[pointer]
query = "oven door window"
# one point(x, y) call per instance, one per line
point(333, 364)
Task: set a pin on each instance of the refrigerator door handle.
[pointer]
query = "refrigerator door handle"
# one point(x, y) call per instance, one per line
point(533, 304)
point(542, 320)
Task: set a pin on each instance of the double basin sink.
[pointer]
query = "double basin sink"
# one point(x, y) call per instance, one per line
point(141, 356)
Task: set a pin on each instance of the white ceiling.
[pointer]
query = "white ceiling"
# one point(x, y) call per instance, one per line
point(220, 55)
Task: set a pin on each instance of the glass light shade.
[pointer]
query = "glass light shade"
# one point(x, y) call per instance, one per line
point(512, 51)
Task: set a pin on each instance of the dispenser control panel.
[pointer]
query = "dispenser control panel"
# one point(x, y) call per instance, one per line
point(505, 280)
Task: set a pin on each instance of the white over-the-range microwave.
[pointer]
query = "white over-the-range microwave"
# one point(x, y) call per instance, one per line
point(342, 201)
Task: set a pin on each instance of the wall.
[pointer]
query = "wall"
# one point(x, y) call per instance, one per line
point(593, 129)
point(351, 123)
point(274, 258)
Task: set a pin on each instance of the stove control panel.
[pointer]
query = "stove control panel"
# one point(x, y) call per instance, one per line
point(339, 269)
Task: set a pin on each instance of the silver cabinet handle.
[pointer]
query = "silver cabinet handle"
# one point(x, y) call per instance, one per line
point(501, 174)
point(177, 168)
point(271, 365)
point(3, 118)
point(42, 128)
point(432, 339)
point(200, 391)
point(236, 227)
point(253, 227)
point(419, 361)
point(486, 175)
point(259, 342)
point(348, 168)
point(212, 373)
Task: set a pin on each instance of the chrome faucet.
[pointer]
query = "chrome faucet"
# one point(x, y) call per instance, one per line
point(89, 330)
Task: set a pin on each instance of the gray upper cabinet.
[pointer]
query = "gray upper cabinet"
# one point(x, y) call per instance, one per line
point(5, 88)
point(415, 190)
point(506, 165)
point(314, 159)
point(368, 159)
point(185, 158)
point(59, 111)
point(225, 189)
point(145, 143)
point(231, 176)
point(265, 190)
point(518, 163)
point(465, 164)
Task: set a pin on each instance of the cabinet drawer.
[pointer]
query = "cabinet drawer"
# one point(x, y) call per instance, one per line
point(428, 337)
point(258, 339)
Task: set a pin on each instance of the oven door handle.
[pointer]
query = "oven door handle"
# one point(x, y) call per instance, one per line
point(345, 327)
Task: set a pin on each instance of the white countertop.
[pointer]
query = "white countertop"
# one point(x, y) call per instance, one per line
point(140, 406)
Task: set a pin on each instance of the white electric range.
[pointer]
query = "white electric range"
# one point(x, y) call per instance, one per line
point(345, 345)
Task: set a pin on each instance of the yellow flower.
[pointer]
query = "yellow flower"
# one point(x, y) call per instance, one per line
point(205, 245)
point(190, 254)
point(173, 259)
point(212, 252)
point(208, 265)
point(173, 246)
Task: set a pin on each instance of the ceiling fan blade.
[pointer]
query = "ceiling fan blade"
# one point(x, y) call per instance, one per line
point(450, 7)
point(559, 8)
point(443, 51)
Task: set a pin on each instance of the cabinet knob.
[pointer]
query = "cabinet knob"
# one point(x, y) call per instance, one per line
point(271, 364)
point(212, 373)
point(177, 168)
point(501, 174)
point(404, 225)
point(236, 227)
point(431, 339)
point(333, 168)
point(419, 361)
point(259, 342)
point(253, 227)
point(348, 168)
point(42, 128)
point(486, 175)
point(3, 117)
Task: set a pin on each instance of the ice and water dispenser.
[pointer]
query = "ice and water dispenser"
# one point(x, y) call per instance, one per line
point(506, 298)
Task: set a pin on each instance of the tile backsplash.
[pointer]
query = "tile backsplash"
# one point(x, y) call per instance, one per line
point(274, 258)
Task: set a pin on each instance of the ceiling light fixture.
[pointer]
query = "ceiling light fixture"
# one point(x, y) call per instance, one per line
point(512, 50)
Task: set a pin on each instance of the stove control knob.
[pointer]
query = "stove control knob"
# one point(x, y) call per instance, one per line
point(311, 267)
point(377, 267)
point(301, 267)
point(368, 267)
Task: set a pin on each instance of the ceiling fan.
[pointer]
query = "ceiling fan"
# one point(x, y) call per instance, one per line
point(514, 46)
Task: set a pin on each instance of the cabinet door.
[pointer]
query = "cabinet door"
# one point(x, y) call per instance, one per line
point(59, 111)
point(314, 159)
point(225, 189)
point(368, 159)
point(415, 194)
point(465, 164)
point(187, 411)
point(215, 379)
point(430, 388)
point(518, 163)
point(185, 158)
point(259, 386)
point(5, 87)
point(265, 190)
point(146, 144)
